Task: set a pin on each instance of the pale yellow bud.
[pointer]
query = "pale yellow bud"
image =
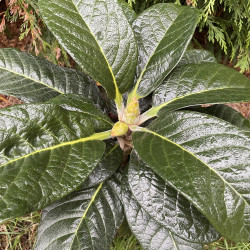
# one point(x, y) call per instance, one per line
point(119, 129)
point(132, 111)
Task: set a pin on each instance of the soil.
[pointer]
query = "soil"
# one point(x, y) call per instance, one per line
point(243, 108)
point(6, 101)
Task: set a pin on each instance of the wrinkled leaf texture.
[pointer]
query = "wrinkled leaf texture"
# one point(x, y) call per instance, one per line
point(109, 163)
point(34, 79)
point(48, 150)
point(151, 234)
point(226, 113)
point(86, 219)
point(197, 56)
point(166, 205)
point(193, 84)
point(163, 33)
point(101, 121)
point(98, 36)
point(207, 160)
point(46, 153)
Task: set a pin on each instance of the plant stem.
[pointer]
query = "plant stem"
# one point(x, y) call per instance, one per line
point(101, 136)
point(119, 104)
point(149, 114)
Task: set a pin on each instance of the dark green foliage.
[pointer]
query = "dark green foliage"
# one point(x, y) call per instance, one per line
point(187, 177)
point(225, 24)
point(86, 218)
point(194, 147)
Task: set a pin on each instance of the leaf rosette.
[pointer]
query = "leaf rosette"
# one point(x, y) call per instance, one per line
point(139, 146)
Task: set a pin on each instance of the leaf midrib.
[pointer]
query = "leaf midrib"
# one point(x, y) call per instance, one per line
point(171, 236)
point(29, 78)
point(195, 93)
point(96, 136)
point(105, 58)
point(155, 109)
point(85, 213)
point(211, 169)
point(134, 93)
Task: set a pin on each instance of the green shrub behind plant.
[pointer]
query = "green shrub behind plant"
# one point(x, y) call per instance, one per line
point(226, 23)
point(43, 43)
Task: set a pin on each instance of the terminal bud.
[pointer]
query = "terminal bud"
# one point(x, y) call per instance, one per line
point(119, 129)
point(132, 112)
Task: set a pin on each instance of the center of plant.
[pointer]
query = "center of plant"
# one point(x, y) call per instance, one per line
point(119, 129)
point(130, 116)
point(132, 112)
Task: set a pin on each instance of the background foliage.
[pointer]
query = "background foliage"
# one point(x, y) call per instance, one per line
point(224, 27)
point(43, 43)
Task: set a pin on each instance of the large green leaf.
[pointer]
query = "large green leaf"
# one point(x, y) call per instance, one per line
point(168, 207)
point(33, 79)
point(128, 11)
point(197, 56)
point(99, 38)
point(113, 155)
point(45, 153)
point(86, 219)
point(162, 33)
point(226, 113)
point(208, 161)
point(151, 234)
point(77, 103)
point(110, 162)
point(194, 84)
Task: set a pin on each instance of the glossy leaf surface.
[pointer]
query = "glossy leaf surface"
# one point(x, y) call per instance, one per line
point(168, 207)
point(45, 153)
point(33, 79)
point(151, 234)
point(101, 121)
point(86, 219)
point(113, 155)
point(197, 56)
point(200, 84)
point(208, 161)
point(162, 33)
point(98, 37)
point(110, 162)
point(128, 11)
point(228, 114)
